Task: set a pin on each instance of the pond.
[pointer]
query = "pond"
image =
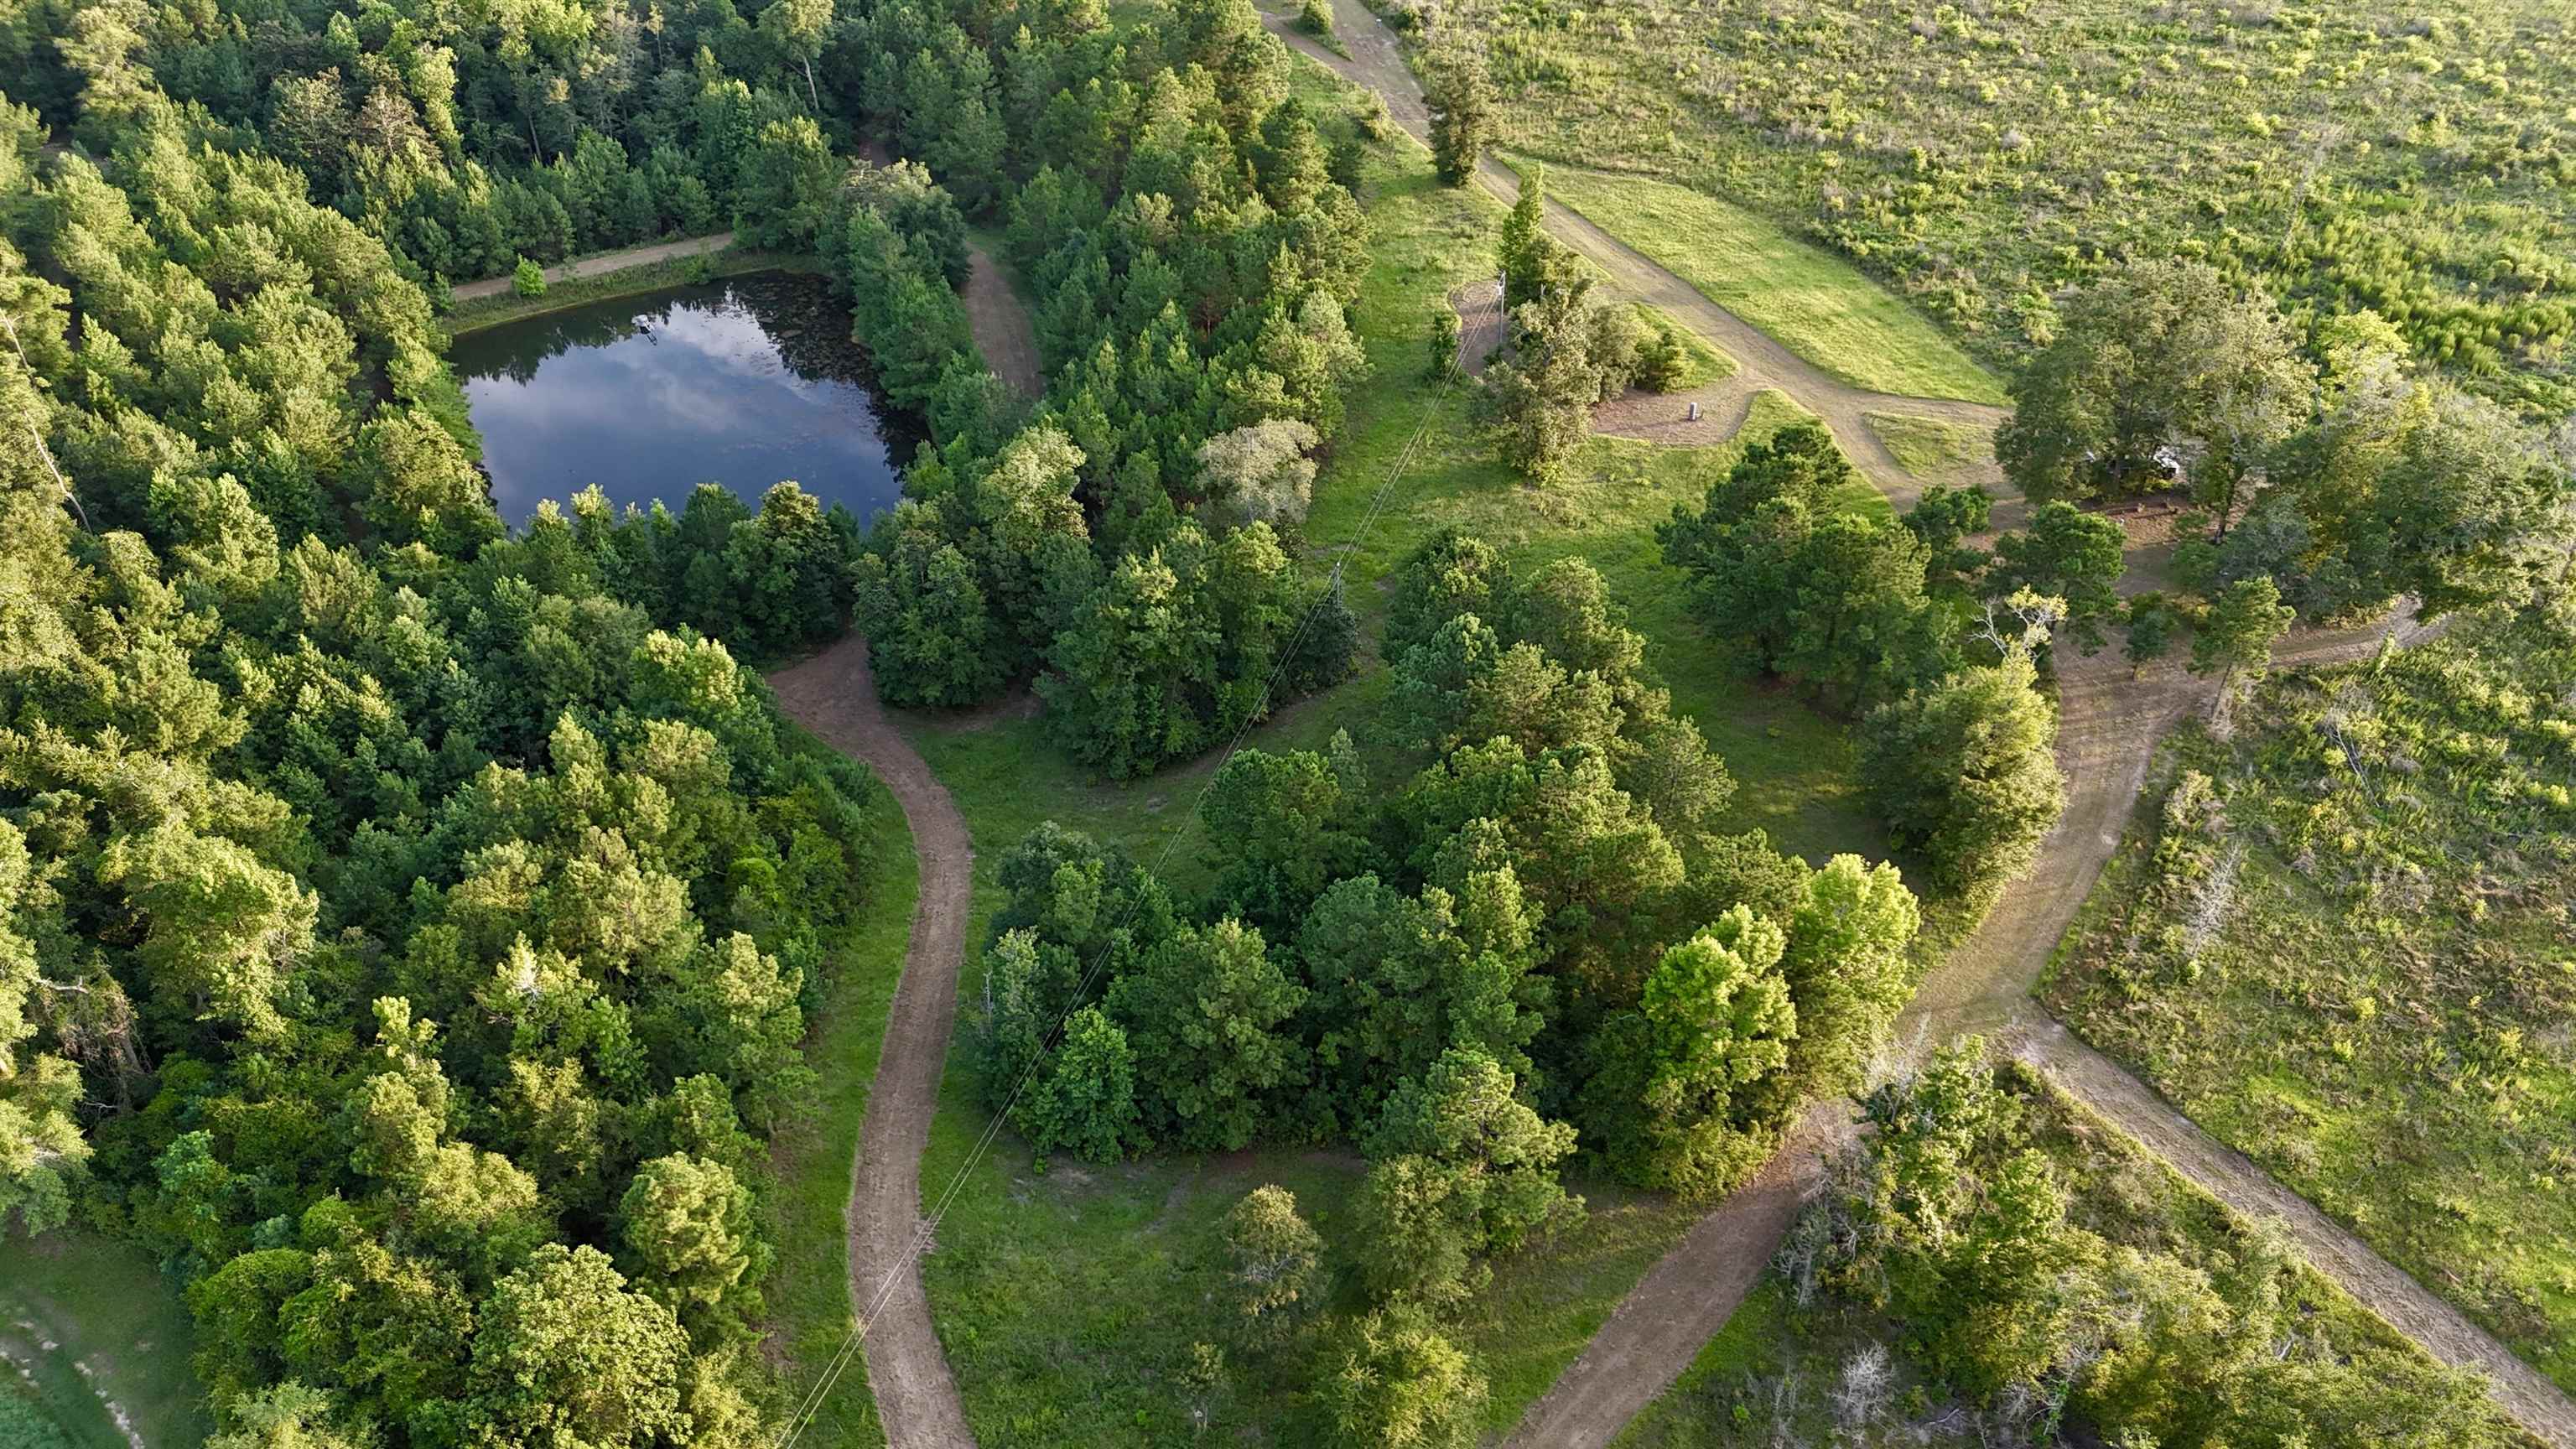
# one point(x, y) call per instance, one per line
point(742, 382)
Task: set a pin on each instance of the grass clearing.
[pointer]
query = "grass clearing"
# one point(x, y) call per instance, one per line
point(810, 1157)
point(1069, 1300)
point(1934, 449)
point(1977, 159)
point(2342, 950)
point(99, 1334)
point(1814, 303)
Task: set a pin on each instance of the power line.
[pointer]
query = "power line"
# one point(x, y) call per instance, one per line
point(929, 1224)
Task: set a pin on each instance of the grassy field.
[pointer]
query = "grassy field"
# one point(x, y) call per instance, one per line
point(2415, 159)
point(1813, 302)
point(1769, 1376)
point(100, 1340)
point(810, 1157)
point(1932, 449)
point(2338, 940)
point(1070, 1300)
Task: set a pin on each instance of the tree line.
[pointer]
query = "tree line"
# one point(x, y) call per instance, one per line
point(1538, 942)
point(414, 924)
point(1130, 543)
point(404, 935)
point(2325, 459)
point(466, 140)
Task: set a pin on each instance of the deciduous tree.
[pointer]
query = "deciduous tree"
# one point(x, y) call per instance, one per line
point(1275, 1264)
point(2160, 370)
point(1677, 1083)
point(2068, 554)
point(1206, 1012)
point(2237, 632)
point(1393, 1381)
point(1963, 771)
point(565, 1354)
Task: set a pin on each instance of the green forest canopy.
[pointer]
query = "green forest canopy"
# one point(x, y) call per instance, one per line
point(407, 928)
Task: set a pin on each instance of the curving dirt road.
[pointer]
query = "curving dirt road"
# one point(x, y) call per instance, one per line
point(2108, 726)
point(2108, 729)
point(833, 695)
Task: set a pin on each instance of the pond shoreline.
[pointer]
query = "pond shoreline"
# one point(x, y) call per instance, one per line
point(478, 314)
point(651, 391)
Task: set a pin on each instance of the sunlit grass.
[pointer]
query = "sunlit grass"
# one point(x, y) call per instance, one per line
point(810, 1156)
point(1814, 303)
point(1933, 449)
point(105, 1333)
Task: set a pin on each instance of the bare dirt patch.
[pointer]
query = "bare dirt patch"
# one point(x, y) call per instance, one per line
point(1481, 320)
point(1667, 417)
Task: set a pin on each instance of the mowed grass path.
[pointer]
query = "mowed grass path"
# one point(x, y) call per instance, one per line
point(1932, 449)
point(810, 1156)
point(1818, 305)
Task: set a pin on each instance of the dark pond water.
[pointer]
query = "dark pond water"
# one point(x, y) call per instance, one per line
point(740, 382)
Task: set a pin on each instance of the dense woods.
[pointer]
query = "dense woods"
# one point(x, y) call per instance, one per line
point(408, 937)
point(413, 923)
point(408, 927)
point(1132, 543)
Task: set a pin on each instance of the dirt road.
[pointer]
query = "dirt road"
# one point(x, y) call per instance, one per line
point(1001, 326)
point(2108, 727)
point(1677, 1307)
point(1377, 63)
point(833, 695)
point(604, 262)
point(995, 314)
point(2226, 1174)
point(2109, 724)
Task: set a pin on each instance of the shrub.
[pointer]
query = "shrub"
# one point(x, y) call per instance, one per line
point(1397, 1383)
point(529, 280)
point(1661, 363)
point(1444, 343)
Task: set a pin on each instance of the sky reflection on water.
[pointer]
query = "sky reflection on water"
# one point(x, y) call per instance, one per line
point(742, 382)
